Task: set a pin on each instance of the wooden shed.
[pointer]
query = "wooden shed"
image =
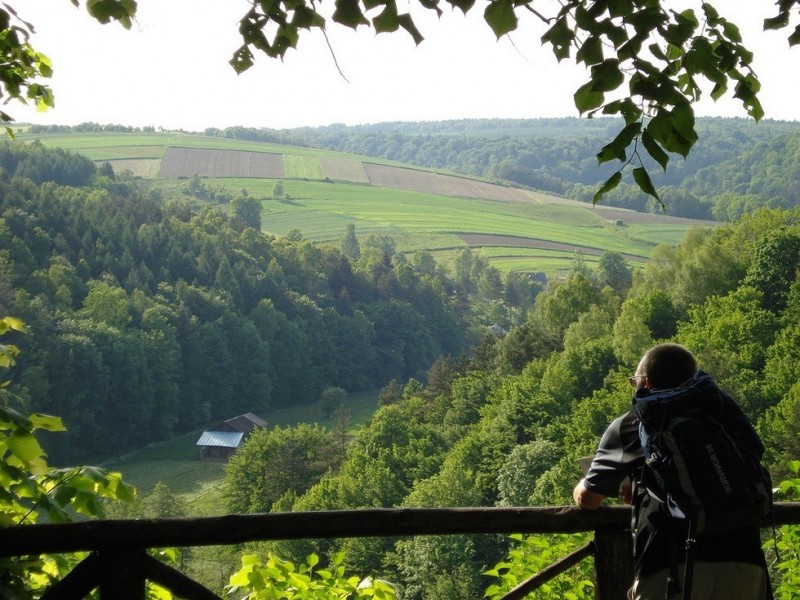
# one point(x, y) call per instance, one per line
point(245, 423)
point(222, 440)
point(219, 445)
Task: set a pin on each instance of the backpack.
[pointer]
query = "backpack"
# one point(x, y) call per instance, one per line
point(703, 457)
point(702, 461)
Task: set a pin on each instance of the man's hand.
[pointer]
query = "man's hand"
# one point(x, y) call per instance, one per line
point(625, 491)
point(585, 498)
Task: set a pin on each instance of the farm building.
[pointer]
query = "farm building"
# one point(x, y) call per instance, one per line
point(222, 440)
point(245, 424)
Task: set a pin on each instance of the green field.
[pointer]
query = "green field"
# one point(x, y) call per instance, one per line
point(321, 207)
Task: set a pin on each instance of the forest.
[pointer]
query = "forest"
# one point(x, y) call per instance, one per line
point(145, 320)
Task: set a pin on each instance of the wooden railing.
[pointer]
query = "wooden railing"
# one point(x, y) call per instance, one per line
point(119, 564)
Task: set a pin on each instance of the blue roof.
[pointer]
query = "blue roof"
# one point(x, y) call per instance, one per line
point(222, 439)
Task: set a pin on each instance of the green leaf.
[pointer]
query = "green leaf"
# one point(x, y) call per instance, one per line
point(746, 91)
point(25, 447)
point(47, 422)
point(387, 21)
point(560, 36)
point(121, 490)
point(732, 32)
point(674, 53)
point(64, 494)
point(607, 76)
point(626, 107)
point(95, 474)
point(44, 65)
point(306, 17)
point(348, 13)
point(778, 22)
point(654, 150)
point(674, 130)
point(616, 149)
point(794, 39)
point(643, 86)
point(586, 98)
point(408, 24)
point(591, 52)
point(642, 178)
point(586, 20)
point(683, 120)
point(656, 51)
point(501, 17)
point(8, 354)
point(10, 417)
point(617, 34)
point(711, 13)
point(620, 8)
point(683, 29)
point(609, 185)
point(87, 503)
point(464, 5)
point(106, 11)
point(242, 59)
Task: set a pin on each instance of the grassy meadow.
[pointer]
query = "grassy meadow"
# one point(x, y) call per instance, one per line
point(527, 223)
point(198, 482)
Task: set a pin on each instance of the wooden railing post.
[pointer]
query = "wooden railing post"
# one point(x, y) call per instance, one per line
point(122, 574)
point(613, 564)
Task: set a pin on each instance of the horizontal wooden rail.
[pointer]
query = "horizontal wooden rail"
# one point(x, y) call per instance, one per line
point(380, 522)
point(237, 529)
point(119, 566)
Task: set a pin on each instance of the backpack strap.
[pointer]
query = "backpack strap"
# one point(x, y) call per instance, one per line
point(672, 590)
point(691, 551)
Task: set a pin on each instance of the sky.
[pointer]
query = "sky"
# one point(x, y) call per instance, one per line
point(171, 71)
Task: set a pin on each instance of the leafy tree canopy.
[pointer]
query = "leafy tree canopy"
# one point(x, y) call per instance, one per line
point(647, 61)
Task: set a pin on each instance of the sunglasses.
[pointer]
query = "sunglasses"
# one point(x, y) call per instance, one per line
point(634, 380)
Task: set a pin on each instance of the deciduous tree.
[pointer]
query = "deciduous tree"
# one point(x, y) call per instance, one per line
point(274, 461)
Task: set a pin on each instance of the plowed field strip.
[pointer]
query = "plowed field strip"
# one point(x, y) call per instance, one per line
point(343, 169)
point(478, 240)
point(444, 185)
point(185, 162)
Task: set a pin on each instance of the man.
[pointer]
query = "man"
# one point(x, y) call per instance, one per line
point(727, 566)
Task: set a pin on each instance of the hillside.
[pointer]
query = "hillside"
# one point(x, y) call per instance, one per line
point(515, 229)
point(150, 320)
point(736, 166)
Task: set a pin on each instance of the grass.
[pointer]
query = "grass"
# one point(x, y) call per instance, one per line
point(105, 146)
point(302, 167)
point(175, 462)
point(360, 404)
point(322, 210)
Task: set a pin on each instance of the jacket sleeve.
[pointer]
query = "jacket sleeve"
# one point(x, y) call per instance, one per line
point(618, 456)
